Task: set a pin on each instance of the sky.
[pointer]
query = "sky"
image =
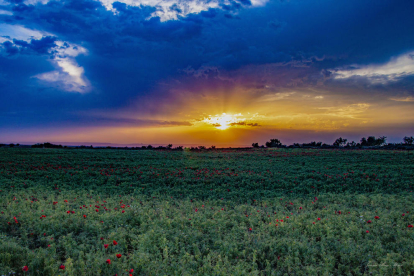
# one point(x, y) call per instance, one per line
point(206, 72)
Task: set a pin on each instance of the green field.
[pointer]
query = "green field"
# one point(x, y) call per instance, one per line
point(221, 212)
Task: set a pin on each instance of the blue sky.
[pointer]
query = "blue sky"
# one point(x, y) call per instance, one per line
point(166, 71)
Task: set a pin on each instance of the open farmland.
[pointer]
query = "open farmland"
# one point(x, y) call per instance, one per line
point(220, 212)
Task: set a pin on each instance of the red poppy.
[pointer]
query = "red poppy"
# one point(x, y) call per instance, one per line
point(313, 222)
point(131, 271)
point(319, 218)
point(25, 268)
point(410, 226)
point(367, 231)
point(118, 255)
point(115, 243)
point(108, 261)
point(106, 245)
point(250, 229)
point(102, 239)
point(84, 216)
point(62, 267)
point(369, 221)
point(376, 217)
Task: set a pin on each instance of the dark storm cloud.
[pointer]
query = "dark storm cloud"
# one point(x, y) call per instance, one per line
point(129, 54)
point(40, 46)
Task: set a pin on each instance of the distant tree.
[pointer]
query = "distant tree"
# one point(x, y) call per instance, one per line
point(179, 148)
point(11, 145)
point(371, 141)
point(17, 145)
point(149, 147)
point(143, 147)
point(408, 140)
point(201, 147)
point(255, 145)
point(273, 143)
point(380, 141)
point(169, 146)
point(364, 141)
point(340, 142)
point(352, 144)
point(213, 147)
point(2, 145)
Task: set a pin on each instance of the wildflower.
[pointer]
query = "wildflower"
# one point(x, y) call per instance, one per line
point(403, 214)
point(115, 243)
point(106, 245)
point(369, 221)
point(118, 255)
point(300, 208)
point(367, 231)
point(410, 226)
point(319, 218)
point(108, 261)
point(25, 268)
point(287, 217)
point(62, 267)
point(102, 239)
point(196, 210)
point(84, 216)
point(313, 222)
point(250, 229)
point(123, 211)
point(376, 217)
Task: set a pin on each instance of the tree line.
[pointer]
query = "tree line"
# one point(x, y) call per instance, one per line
point(371, 141)
point(340, 142)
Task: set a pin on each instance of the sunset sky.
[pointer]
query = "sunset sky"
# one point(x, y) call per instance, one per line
point(214, 72)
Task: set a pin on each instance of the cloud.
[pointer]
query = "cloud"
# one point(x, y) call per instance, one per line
point(403, 99)
point(245, 124)
point(397, 68)
point(69, 76)
point(174, 9)
point(275, 97)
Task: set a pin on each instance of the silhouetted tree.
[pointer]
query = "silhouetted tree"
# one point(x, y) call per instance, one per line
point(149, 147)
point(255, 145)
point(352, 144)
point(213, 147)
point(169, 146)
point(371, 141)
point(201, 147)
point(340, 142)
point(408, 140)
point(273, 143)
point(380, 141)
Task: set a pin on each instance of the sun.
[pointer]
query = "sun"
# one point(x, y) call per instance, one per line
point(223, 121)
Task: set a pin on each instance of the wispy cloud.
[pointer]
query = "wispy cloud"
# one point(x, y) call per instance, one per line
point(275, 97)
point(403, 99)
point(393, 70)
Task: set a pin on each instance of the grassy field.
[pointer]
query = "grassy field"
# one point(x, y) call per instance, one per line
point(222, 212)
